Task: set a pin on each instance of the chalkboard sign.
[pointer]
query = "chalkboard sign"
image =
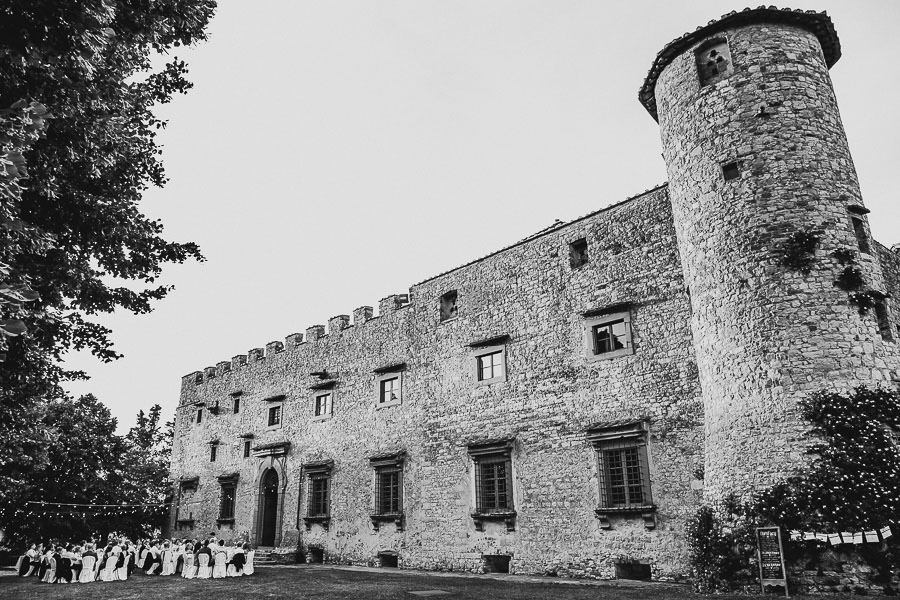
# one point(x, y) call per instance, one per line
point(771, 558)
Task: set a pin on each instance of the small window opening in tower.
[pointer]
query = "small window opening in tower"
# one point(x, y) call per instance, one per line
point(578, 253)
point(448, 305)
point(713, 61)
point(731, 171)
point(862, 240)
point(884, 323)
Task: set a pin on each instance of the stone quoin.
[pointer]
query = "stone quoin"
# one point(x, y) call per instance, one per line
point(563, 405)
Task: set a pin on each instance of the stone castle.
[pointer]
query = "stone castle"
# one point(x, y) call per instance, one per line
point(565, 404)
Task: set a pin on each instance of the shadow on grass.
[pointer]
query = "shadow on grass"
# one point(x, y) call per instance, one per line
point(317, 582)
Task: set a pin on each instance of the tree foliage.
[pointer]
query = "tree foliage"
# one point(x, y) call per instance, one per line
point(88, 463)
point(77, 150)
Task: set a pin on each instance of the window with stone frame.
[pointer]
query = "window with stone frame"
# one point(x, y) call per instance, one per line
point(492, 462)
point(213, 451)
point(389, 387)
point(228, 484)
point(489, 359)
point(448, 305)
point(236, 403)
point(318, 492)
point(199, 415)
point(608, 333)
point(388, 501)
point(246, 448)
point(623, 470)
point(713, 61)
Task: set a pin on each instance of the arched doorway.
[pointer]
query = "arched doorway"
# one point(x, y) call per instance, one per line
point(269, 507)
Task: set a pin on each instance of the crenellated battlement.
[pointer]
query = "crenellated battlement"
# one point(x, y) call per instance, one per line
point(313, 334)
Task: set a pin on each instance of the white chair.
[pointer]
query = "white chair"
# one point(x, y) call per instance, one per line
point(189, 569)
point(122, 571)
point(234, 571)
point(109, 569)
point(87, 574)
point(248, 563)
point(203, 569)
point(50, 574)
point(220, 569)
point(168, 564)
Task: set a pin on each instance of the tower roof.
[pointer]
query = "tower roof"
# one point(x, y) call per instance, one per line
point(819, 23)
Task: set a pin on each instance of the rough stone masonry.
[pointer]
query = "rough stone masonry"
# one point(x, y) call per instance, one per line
point(563, 405)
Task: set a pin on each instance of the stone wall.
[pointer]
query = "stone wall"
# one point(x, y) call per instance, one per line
point(551, 395)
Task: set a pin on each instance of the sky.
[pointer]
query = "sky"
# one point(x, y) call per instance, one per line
point(332, 153)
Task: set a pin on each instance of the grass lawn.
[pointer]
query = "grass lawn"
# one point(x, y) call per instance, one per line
point(295, 583)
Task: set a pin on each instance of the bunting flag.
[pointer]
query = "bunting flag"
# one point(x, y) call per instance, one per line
point(845, 537)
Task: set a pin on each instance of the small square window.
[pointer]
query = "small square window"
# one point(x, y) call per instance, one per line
point(448, 306)
point(490, 364)
point(323, 405)
point(608, 336)
point(731, 171)
point(275, 415)
point(199, 415)
point(236, 407)
point(862, 238)
point(390, 387)
point(246, 448)
point(578, 253)
point(713, 61)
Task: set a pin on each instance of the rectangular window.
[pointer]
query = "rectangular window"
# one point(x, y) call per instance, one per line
point(199, 415)
point(624, 474)
point(884, 322)
point(246, 448)
point(237, 404)
point(213, 450)
point(388, 491)
point(318, 495)
point(389, 390)
point(493, 485)
point(862, 239)
point(274, 415)
point(448, 305)
point(490, 366)
point(226, 506)
point(323, 405)
point(608, 335)
point(578, 253)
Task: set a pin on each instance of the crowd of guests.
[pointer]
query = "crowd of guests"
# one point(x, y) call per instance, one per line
point(87, 562)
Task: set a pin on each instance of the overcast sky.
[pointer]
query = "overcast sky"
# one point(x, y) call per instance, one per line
point(334, 152)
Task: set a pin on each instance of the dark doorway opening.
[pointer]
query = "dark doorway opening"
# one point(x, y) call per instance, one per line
point(388, 559)
point(496, 563)
point(638, 571)
point(316, 555)
point(269, 508)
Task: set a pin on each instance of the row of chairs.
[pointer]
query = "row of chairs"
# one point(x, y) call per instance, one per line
point(90, 571)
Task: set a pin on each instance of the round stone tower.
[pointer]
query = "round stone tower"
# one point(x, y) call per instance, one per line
point(756, 152)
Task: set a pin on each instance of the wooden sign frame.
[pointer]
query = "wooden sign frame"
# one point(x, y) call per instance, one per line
point(765, 577)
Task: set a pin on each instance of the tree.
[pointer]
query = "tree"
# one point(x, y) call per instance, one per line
point(77, 150)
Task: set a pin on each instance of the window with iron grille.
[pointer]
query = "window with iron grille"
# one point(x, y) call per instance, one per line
point(318, 495)
point(226, 504)
point(623, 469)
point(608, 335)
point(493, 483)
point(274, 416)
point(388, 490)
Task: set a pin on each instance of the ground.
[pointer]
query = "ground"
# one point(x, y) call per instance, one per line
point(301, 582)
